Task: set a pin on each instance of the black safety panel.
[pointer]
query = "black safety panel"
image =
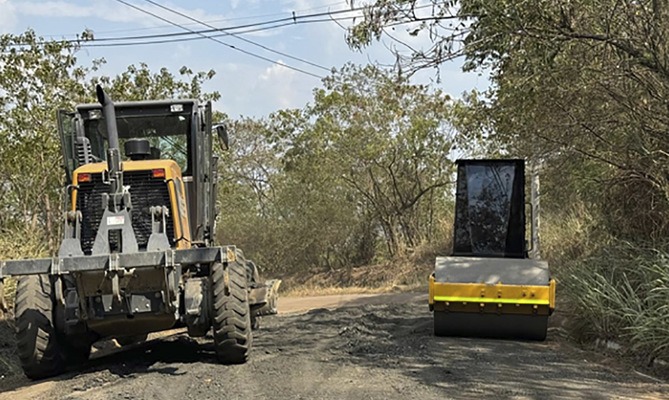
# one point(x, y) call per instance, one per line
point(490, 209)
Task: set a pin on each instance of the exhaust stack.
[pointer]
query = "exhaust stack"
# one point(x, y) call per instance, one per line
point(113, 152)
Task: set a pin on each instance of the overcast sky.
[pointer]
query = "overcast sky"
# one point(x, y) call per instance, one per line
point(249, 86)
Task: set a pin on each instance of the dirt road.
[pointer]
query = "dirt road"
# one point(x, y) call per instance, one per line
point(365, 347)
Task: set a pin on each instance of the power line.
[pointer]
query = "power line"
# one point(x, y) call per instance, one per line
point(246, 17)
point(140, 40)
point(240, 37)
point(296, 19)
point(219, 41)
point(91, 43)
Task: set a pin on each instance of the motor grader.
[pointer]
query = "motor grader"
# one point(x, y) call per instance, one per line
point(138, 252)
point(491, 286)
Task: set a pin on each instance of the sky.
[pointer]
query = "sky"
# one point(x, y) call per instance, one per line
point(249, 86)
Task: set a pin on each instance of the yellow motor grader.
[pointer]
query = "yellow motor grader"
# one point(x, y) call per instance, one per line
point(138, 252)
point(490, 286)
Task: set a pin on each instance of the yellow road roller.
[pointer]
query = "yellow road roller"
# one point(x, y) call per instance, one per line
point(492, 285)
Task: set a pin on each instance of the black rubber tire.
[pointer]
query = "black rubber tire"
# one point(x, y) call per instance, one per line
point(231, 313)
point(252, 273)
point(36, 337)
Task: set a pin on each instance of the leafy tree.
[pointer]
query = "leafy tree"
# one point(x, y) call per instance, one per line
point(364, 168)
point(37, 78)
point(391, 141)
point(576, 82)
point(35, 81)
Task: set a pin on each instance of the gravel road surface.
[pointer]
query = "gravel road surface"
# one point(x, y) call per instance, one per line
point(348, 347)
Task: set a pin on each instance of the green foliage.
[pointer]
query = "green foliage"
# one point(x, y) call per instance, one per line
point(139, 83)
point(576, 83)
point(581, 85)
point(621, 293)
point(37, 78)
point(358, 176)
point(35, 81)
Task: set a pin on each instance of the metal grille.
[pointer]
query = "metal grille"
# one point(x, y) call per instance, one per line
point(145, 191)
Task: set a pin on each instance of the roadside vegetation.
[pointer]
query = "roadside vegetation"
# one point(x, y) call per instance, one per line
point(581, 86)
point(354, 191)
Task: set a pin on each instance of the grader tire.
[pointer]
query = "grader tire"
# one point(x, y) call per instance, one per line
point(231, 313)
point(38, 347)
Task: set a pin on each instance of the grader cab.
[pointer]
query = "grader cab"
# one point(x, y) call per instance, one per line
point(138, 252)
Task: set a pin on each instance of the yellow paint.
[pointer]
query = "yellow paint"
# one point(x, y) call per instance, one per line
point(481, 294)
point(173, 176)
point(430, 288)
point(480, 300)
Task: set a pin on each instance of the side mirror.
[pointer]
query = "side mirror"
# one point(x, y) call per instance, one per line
point(222, 132)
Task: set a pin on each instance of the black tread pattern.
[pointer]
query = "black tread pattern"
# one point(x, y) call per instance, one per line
point(231, 313)
point(38, 348)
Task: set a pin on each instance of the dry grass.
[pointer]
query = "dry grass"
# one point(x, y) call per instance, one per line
point(570, 236)
point(622, 294)
point(10, 289)
point(409, 274)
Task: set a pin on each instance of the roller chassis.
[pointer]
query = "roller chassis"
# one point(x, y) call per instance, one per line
point(492, 285)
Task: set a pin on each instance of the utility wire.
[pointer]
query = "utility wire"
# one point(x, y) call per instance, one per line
point(219, 41)
point(295, 19)
point(92, 43)
point(238, 36)
point(246, 17)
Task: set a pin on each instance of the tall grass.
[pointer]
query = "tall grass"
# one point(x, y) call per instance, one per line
point(610, 289)
point(620, 292)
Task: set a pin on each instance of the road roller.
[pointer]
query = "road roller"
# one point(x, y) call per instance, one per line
point(493, 285)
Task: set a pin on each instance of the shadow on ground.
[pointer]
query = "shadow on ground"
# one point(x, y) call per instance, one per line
point(400, 338)
point(150, 357)
point(392, 343)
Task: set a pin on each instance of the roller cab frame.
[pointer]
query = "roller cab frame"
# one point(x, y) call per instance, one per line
point(489, 286)
point(138, 253)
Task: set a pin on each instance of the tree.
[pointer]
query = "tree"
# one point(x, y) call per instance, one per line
point(359, 175)
point(578, 82)
point(37, 78)
point(391, 141)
